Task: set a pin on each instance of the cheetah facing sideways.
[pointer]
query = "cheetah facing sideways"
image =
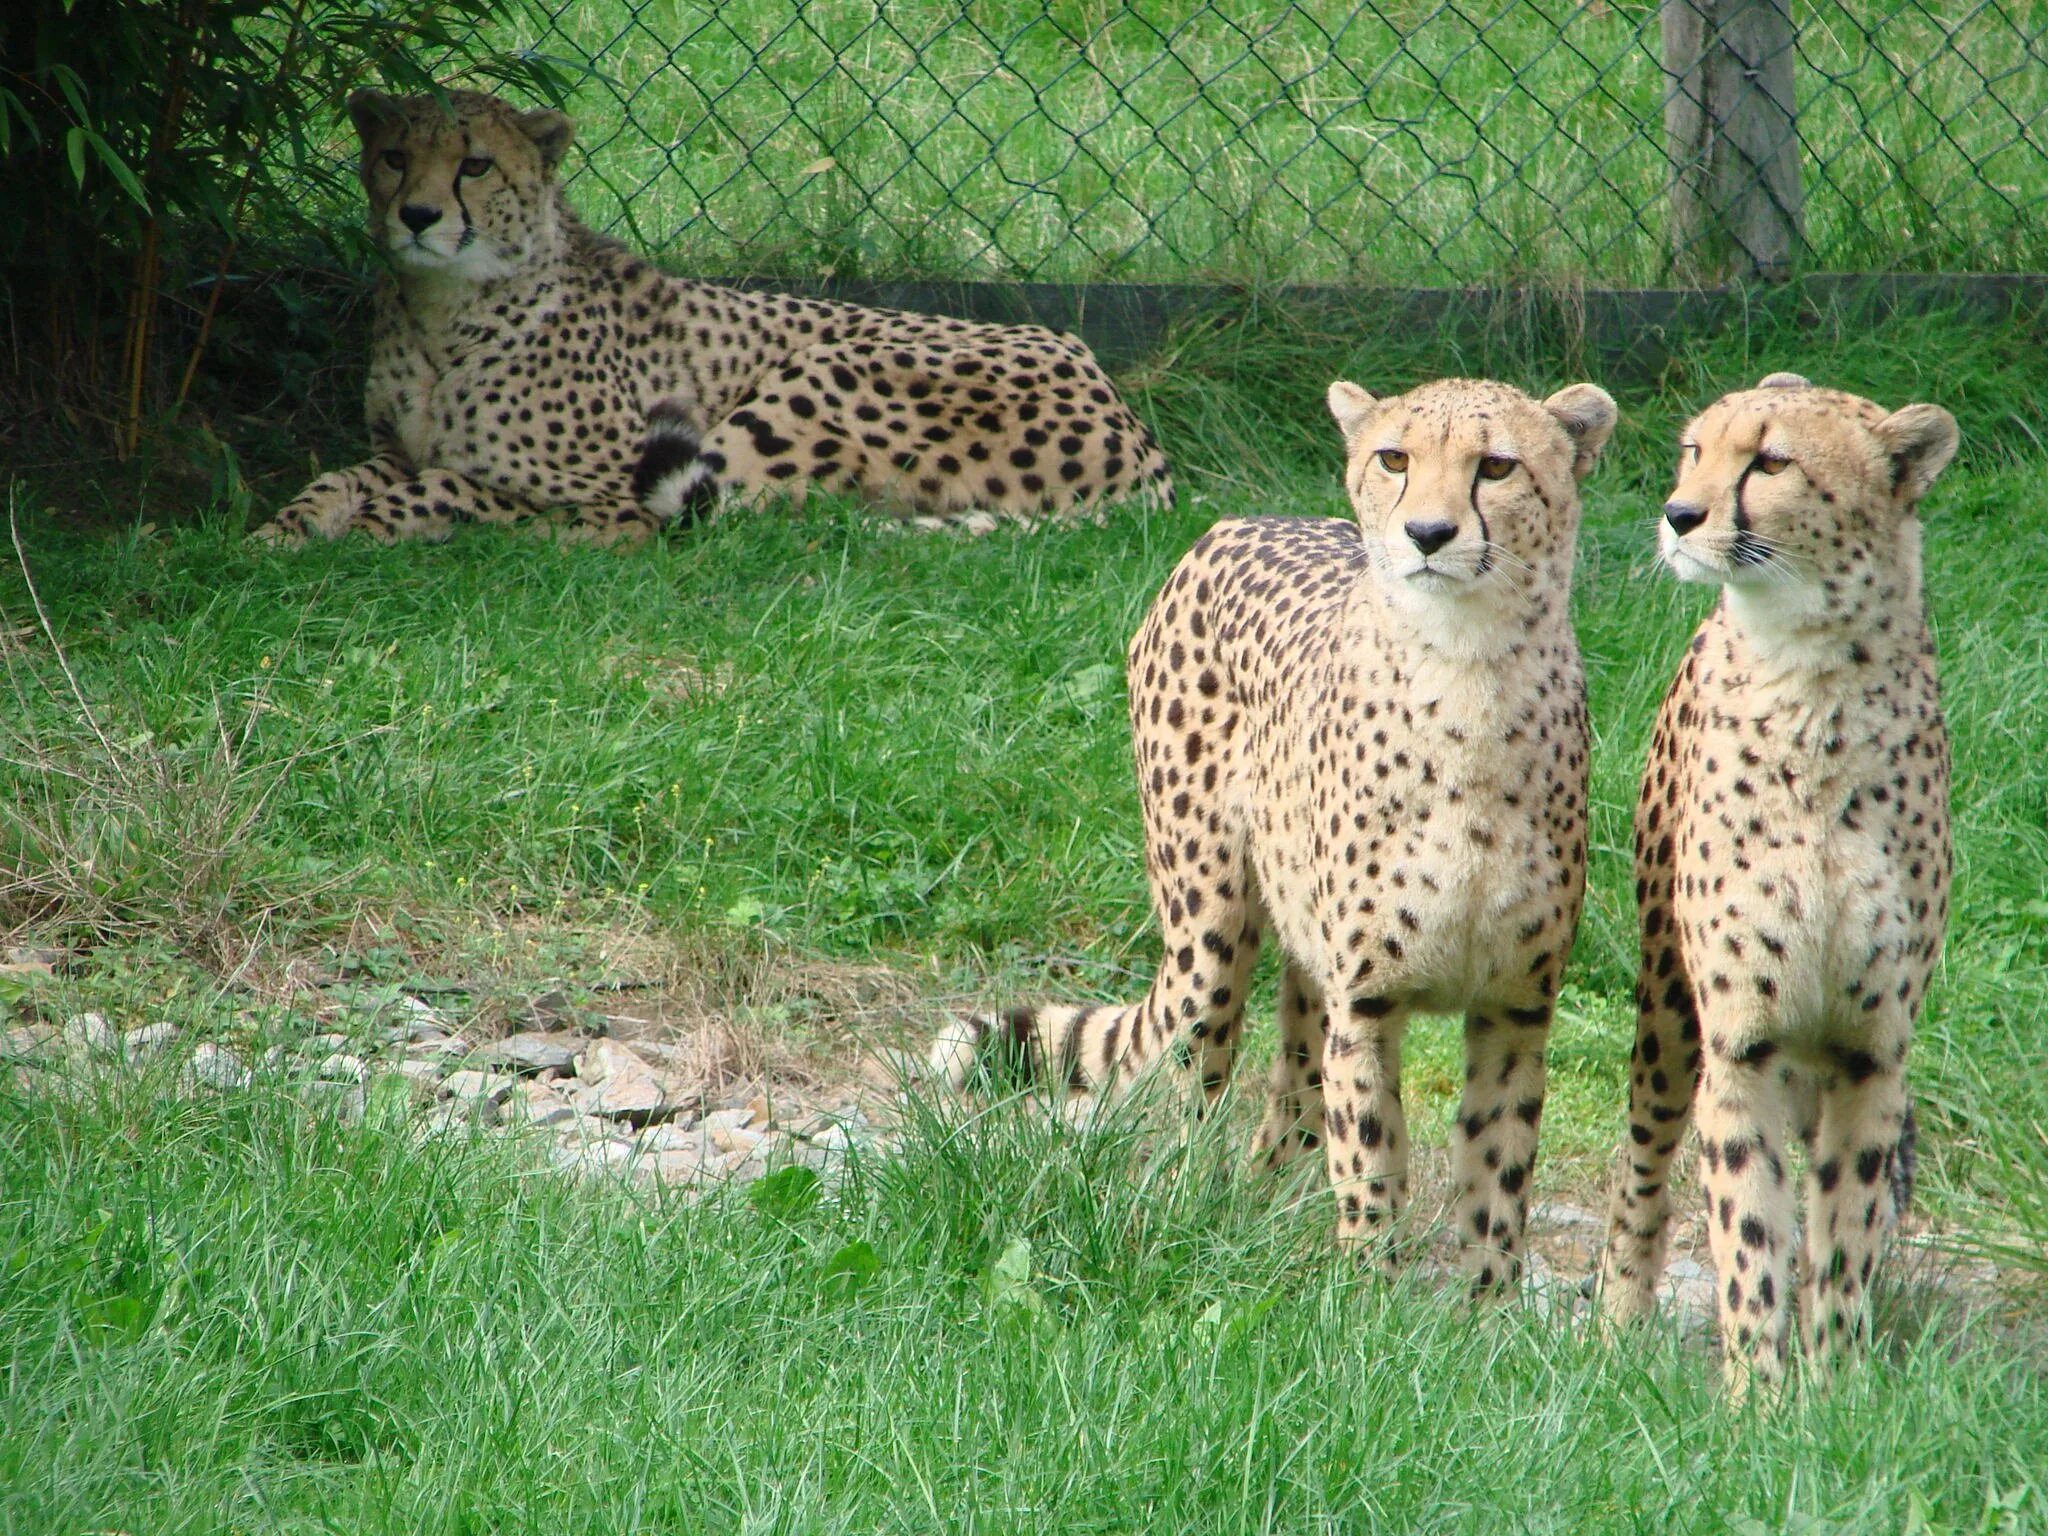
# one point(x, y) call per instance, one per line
point(1372, 738)
point(521, 364)
point(1792, 861)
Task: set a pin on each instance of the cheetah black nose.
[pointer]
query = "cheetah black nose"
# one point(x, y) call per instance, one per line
point(1430, 537)
point(1683, 517)
point(418, 219)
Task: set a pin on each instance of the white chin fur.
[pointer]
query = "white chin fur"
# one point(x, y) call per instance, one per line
point(1687, 566)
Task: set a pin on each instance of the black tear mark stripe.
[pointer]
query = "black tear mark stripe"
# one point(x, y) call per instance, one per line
point(1747, 551)
point(468, 225)
point(1485, 531)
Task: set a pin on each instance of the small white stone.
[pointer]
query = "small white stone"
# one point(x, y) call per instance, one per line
point(529, 1052)
point(737, 1138)
point(671, 1138)
point(149, 1040)
point(675, 1167)
point(832, 1137)
point(345, 1100)
point(491, 1087)
point(91, 1032)
point(215, 1066)
point(537, 1104)
point(340, 1067)
point(29, 1043)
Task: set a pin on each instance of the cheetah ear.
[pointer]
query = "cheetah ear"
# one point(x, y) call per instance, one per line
point(370, 111)
point(1784, 381)
point(550, 131)
point(1587, 413)
point(1352, 407)
point(1921, 439)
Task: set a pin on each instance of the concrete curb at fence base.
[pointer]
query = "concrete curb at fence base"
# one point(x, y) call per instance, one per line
point(1624, 329)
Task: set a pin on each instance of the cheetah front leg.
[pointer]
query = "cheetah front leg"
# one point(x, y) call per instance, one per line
point(384, 499)
point(1294, 1106)
point(329, 507)
point(1744, 1113)
point(1852, 1196)
point(1494, 1150)
point(1664, 1072)
point(1366, 1134)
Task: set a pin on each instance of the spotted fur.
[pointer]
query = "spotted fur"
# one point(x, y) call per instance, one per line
point(521, 365)
point(1792, 863)
point(1370, 738)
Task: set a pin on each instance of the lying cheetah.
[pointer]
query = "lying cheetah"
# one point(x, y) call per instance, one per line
point(522, 364)
point(1792, 861)
point(1372, 738)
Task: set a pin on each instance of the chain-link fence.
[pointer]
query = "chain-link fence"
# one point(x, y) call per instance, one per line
point(1429, 142)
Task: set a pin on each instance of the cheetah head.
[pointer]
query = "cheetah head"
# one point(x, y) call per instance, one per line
point(1798, 498)
point(464, 188)
point(1468, 493)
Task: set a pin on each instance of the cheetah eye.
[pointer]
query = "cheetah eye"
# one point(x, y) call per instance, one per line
point(1393, 461)
point(475, 165)
point(1770, 463)
point(1495, 467)
point(395, 158)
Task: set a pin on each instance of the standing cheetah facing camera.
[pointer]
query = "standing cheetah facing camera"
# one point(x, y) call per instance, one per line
point(1792, 862)
point(1372, 738)
point(522, 365)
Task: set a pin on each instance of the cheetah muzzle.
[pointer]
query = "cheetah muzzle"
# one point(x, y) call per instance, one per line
point(1369, 738)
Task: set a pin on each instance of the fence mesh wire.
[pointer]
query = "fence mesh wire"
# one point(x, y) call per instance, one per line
point(1455, 141)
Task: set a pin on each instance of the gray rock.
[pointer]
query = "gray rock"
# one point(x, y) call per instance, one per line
point(92, 1034)
point(344, 1100)
point(30, 1044)
point(529, 1052)
point(537, 1104)
point(150, 1040)
point(673, 1167)
point(438, 1048)
point(830, 1137)
point(593, 1158)
point(737, 1138)
point(627, 1088)
point(328, 1040)
point(215, 1066)
point(728, 1120)
point(340, 1067)
point(672, 1137)
point(469, 1085)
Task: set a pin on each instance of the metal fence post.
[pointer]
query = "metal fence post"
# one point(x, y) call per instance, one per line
point(1731, 125)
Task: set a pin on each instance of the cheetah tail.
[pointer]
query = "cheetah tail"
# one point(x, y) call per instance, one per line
point(670, 480)
point(1045, 1045)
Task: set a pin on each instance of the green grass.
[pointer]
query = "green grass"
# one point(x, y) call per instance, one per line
point(797, 735)
point(231, 1314)
point(1404, 143)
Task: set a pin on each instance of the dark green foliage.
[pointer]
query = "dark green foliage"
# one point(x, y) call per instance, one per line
point(149, 139)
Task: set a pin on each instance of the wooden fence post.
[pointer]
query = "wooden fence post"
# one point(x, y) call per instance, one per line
point(1732, 129)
